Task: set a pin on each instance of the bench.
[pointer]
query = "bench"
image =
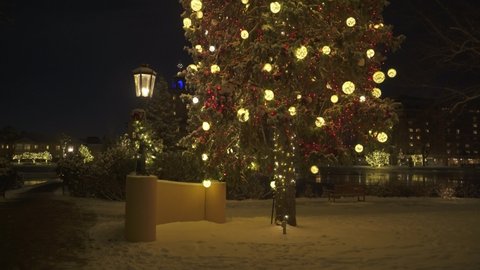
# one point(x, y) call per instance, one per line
point(346, 190)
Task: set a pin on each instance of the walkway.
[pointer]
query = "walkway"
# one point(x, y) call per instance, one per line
point(42, 230)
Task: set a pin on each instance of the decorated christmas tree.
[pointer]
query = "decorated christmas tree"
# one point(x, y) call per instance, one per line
point(286, 85)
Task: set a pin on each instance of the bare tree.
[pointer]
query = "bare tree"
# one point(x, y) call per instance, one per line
point(451, 47)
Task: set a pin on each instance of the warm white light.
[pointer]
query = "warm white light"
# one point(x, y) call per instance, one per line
point(358, 148)
point(326, 50)
point(299, 96)
point(392, 73)
point(187, 23)
point(70, 149)
point(314, 169)
point(192, 67)
point(244, 2)
point(351, 22)
point(199, 48)
point(204, 157)
point(196, 5)
point(272, 185)
point(378, 77)
point(320, 122)
point(376, 92)
point(211, 48)
point(382, 137)
point(205, 126)
point(370, 53)
point(269, 95)
point(334, 98)
point(348, 87)
point(293, 111)
point(363, 98)
point(243, 115)
point(301, 52)
point(206, 183)
point(214, 69)
point(275, 7)
point(195, 100)
point(244, 34)
point(267, 67)
point(145, 91)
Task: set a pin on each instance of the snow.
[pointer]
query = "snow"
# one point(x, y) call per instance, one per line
point(381, 233)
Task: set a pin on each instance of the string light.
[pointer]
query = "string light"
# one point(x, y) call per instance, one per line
point(199, 48)
point(376, 92)
point(358, 148)
point(187, 23)
point(267, 67)
point(326, 50)
point(334, 99)
point(293, 111)
point(314, 169)
point(214, 69)
point(382, 137)
point(320, 122)
point(243, 115)
point(244, 34)
point(205, 126)
point(370, 53)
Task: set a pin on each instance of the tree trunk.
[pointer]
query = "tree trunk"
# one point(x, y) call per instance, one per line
point(284, 176)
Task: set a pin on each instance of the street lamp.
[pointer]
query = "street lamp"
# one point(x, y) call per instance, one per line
point(144, 78)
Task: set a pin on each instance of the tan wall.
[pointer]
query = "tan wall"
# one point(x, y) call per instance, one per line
point(179, 201)
point(151, 202)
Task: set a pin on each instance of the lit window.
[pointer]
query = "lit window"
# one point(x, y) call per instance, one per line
point(448, 151)
point(411, 144)
point(57, 147)
point(35, 147)
point(467, 145)
point(427, 130)
point(458, 131)
point(410, 129)
point(27, 147)
point(475, 132)
point(47, 147)
point(418, 137)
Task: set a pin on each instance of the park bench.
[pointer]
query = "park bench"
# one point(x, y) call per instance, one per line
point(346, 190)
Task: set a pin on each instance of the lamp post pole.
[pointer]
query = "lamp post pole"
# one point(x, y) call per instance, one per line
point(144, 78)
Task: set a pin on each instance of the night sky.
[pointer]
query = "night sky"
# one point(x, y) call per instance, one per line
point(66, 66)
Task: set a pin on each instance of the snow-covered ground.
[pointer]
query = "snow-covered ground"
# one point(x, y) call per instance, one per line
point(381, 233)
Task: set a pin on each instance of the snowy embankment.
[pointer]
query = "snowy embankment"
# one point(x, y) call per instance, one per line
point(382, 233)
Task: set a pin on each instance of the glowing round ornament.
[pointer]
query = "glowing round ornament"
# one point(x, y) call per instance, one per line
point(187, 23)
point(199, 48)
point(314, 169)
point(269, 95)
point(334, 99)
point(301, 52)
point(363, 98)
point(320, 122)
point(195, 100)
point(206, 183)
point(392, 73)
point(199, 14)
point(376, 92)
point(204, 157)
point(299, 96)
point(244, 34)
point(214, 69)
point(192, 68)
point(382, 137)
point(351, 22)
point(326, 50)
point(348, 87)
point(267, 67)
point(358, 148)
point(370, 53)
point(378, 77)
point(211, 48)
point(196, 5)
point(275, 7)
point(243, 115)
point(205, 126)
point(245, 2)
point(292, 110)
